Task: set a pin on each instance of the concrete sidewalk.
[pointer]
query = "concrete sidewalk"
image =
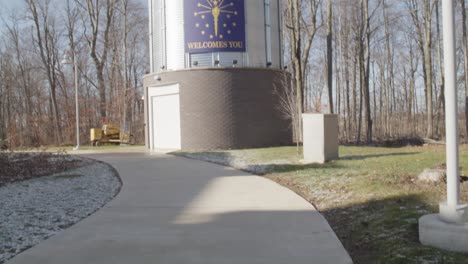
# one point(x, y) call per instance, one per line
point(174, 210)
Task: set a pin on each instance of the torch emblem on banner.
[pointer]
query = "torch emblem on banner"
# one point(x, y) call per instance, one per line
point(216, 8)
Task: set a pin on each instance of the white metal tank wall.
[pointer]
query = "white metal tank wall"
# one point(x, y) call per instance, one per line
point(262, 33)
point(255, 33)
point(157, 34)
point(275, 37)
point(175, 34)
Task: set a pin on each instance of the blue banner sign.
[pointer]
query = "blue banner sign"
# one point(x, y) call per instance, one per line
point(214, 25)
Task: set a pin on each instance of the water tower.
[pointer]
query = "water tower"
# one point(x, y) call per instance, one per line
point(216, 66)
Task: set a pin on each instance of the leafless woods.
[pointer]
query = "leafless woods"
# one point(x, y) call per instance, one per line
point(106, 39)
point(386, 59)
point(378, 64)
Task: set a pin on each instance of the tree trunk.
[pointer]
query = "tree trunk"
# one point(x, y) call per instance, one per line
point(94, 15)
point(428, 56)
point(45, 38)
point(441, 101)
point(366, 67)
point(300, 48)
point(465, 51)
point(329, 56)
point(355, 89)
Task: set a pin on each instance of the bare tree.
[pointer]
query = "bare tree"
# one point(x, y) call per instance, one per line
point(465, 57)
point(99, 53)
point(423, 24)
point(23, 78)
point(288, 105)
point(330, 56)
point(343, 39)
point(2, 100)
point(365, 70)
point(441, 98)
point(299, 25)
point(46, 40)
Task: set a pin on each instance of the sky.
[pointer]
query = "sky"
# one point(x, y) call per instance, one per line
point(10, 4)
point(13, 4)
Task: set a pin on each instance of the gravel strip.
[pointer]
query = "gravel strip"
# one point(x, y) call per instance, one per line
point(33, 210)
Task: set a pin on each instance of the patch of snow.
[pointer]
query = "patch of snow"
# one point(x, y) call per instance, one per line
point(432, 176)
point(235, 162)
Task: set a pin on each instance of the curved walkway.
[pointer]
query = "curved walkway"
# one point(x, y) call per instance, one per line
point(175, 210)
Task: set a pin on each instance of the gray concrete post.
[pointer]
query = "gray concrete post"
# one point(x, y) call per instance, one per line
point(320, 137)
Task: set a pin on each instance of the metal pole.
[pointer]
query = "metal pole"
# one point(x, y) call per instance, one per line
point(451, 107)
point(451, 211)
point(151, 30)
point(77, 110)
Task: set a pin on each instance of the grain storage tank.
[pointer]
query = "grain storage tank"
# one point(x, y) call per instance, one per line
point(215, 65)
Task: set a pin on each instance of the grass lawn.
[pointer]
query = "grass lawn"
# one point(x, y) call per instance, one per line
point(370, 196)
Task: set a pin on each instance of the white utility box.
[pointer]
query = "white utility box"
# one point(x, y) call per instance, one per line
point(320, 137)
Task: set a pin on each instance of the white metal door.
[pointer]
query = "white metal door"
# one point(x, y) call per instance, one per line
point(166, 121)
